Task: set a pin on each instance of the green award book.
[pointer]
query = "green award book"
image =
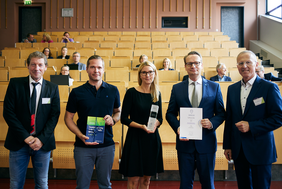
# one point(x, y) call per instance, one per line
point(95, 129)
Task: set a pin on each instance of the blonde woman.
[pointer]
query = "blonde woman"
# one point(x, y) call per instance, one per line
point(142, 153)
point(166, 65)
point(46, 38)
point(142, 58)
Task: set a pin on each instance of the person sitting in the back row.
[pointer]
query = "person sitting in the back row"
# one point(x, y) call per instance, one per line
point(142, 58)
point(166, 65)
point(76, 59)
point(46, 38)
point(66, 38)
point(268, 76)
point(64, 52)
point(221, 73)
point(29, 39)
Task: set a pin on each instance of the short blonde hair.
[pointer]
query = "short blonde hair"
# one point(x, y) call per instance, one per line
point(141, 56)
point(47, 36)
point(155, 84)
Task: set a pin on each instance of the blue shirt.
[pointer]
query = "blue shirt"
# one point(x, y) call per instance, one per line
point(87, 101)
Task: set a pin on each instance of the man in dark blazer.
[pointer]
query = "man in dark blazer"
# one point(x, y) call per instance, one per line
point(221, 73)
point(254, 110)
point(267, 76)
point(27, 138)
point(198, 154)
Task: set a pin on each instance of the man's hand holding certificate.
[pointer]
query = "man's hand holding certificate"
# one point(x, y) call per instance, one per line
point(191, 123)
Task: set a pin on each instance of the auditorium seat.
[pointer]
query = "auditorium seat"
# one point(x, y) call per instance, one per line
point(114, 33)
point(86, 33)
point(212, 44)
point(58, 63)
point(40, 45)
point(2, 61)
point(160, 45)
point(133, 75)
point(165, 88)
point(38, 38)
point(139, 33)
point(111, 38)
point(117, 74)
point(100, 33)
point(108, 45)
point(209, 61)
point(107, 53)
point(24, 53)
point(143, 45)
point(58, 33)
point(3, 89)
point(95, 38)
point(121, 62)
point(229, 44)
point(125, 45)
point(201, 33)
point(20, 45)
point(216, 34)
point(234, 74)
point(174, 38)
point(64, 93)
point(143, 39)
point(159, 39)
point(126, 38)
point(205, 38)
point(161, 53)
point(180, 53)
point(59, 45)
point(80, 38)
point(202, 51)
point(128, 33)
point(171, 76)
point(11, 54)
point(75, 45)
point(195, 44)
point(179, 63)
point(219, 52)
point(235, 51)
point(75, 74)
point(190, 38)
point(221, 38)
point(177, 45)
point(230, 61)
point(158, 34)
point(139, 52)
point(123, 53)
point(209, 72)
point(91, 44)
point(15, 63)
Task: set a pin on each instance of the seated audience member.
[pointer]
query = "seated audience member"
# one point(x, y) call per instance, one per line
point(46, 38)
point(47, 52)
point(221, 73)
point(65, 70)
point(76, 59)
point(268, 76)
point(66, 38)
point(64, 52)
point(166, 65)
point(142, 58)
point(29, 39)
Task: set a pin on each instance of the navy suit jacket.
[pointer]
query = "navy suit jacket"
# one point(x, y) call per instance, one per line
point(185, 77)
point(215, 78)
point(271, 77)
point(213, 109)
point(18, 117)
point(263, 112)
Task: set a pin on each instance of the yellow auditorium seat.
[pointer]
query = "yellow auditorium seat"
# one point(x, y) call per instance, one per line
point(190, 38)
point(174, 38)
point(138, 33)
point(143, 39)
point(111, 38)
point(38, 38)
point(86, 33)
point(11, 54)
point(80, 38)
point(159, 39)
point(168, 76)
point(58, 63)
point(202, 51)
point(108, 45)
point(229, 62)
point(217, 52)
point(2, 61)
point(85, 52)
point(221, 38)
point(75, 45)
point(212, 44)
point(101, 33)
point(179, 64)
point(201, 33)
point(21, 45)
point(75, 74)
point(91, 44)
point(137, 53)
point(41, 33)
point(160, 45)
point(158, 34)
point(206, 38)
point(183, 34)
point(133, 75)
point(180, 53)
point(114, 33)
point(128, 33)
point(165, 88)
point(124, 38)
point(209, 61)
point(3, 89)
point(117, 74)
point(234, 74)
point(59, 45)
point(104, 53)
point(195, 44)
point(215, 33)
point(40, 45)
point(125, 45)
point(229, 44)
point(143, 45)
point(26, 52)
point(177, 45)
point(235, 51)
point(15, 63)
point(123, 53)
point(209, 72)
point(172, 33)
point(95, 38)
point(161, 53)
point(121, 62)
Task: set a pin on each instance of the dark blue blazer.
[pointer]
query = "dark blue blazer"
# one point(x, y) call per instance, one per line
point(258, 144)
point(17, 114)
point(271, 77)
point(215, 78)
point(213, 109)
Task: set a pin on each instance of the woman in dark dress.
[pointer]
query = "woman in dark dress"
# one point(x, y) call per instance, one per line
point(64, 52)
point(142, 152)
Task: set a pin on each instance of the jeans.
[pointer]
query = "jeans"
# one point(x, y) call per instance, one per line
point(86, 158)
point(18, 162)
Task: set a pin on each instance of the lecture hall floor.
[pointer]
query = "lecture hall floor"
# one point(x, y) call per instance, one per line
point(67, 184)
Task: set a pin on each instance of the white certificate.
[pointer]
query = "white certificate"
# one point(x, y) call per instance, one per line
point(190, 123)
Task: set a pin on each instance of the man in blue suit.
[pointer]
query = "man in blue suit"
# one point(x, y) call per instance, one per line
point(254, 110)
point(267, 76)
point(31, 125)
point(198, 154)
point(221, 73)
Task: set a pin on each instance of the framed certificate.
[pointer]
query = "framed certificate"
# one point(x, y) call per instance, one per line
point(190, 123)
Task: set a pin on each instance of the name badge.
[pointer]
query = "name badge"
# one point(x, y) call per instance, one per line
point(46, 101)
point(259, 101)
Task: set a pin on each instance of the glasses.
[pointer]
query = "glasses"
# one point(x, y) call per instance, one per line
point(241, 64)
point(190, 64)
point(146, 73)
point(65, 70)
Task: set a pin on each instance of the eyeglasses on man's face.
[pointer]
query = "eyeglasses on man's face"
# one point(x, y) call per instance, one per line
point(248, 63)
point(146, 73)
point(190, 64)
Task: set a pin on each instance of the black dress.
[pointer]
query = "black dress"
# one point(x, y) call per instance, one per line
point(142, 152)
